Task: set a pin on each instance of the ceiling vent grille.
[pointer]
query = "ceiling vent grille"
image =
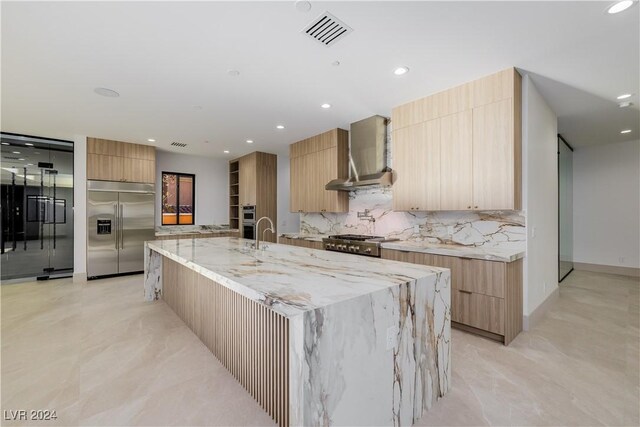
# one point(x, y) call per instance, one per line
point(178, 144)
point(327, 29)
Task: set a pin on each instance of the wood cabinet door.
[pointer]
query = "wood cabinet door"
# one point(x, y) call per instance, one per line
point(138, 170)
point(416, 158)
point(314, 173)
point(477, 310)
point(247, 180)
point(406, 164)
point(456, 154)
point(493, 156)
point(328, 165)
point(105, 147)
point(484, 277)
point(297, 184)
point(139, 151)
point(105, 168)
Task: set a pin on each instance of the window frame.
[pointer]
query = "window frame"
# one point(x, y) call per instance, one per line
point(193, 197)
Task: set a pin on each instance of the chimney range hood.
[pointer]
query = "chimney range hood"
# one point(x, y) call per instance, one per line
point(367, 156)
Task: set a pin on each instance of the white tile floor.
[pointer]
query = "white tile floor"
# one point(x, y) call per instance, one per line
point(99, 355)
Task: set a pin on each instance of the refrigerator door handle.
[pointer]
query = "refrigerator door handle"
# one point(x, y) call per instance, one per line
point(121, 226)
point(115, 225)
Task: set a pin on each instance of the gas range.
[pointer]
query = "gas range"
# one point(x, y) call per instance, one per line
point(355, 244)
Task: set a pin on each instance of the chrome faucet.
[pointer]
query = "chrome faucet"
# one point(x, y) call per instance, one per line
point(265, 230)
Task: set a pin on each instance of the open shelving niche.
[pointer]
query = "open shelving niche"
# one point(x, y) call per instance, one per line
point(234, 197)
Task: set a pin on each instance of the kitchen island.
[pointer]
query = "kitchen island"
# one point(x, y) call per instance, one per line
point(317, 337)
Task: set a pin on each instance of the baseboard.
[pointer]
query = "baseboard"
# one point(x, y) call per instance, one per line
point(79, 277)
point(609, 269)
point(536, 315)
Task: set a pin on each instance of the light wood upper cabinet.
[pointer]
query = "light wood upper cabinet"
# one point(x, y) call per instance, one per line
point(493, 156)
point(479, 147)
point(105, 147)
point(120, 161)
point(456, 154)
point(416, 149)
point(105, 168)
point(138, 170)
point(314, 162)
point(247, 180)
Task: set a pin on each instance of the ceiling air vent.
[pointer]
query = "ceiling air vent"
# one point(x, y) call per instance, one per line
point(178, 144)
point(327, 29)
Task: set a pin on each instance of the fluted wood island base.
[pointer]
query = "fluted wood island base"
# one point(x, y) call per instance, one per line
point(317, 338)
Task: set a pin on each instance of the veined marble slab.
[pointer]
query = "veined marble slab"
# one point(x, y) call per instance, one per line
point(173, 230)
point(369, 339)
point(308, 237)
point(504, 254)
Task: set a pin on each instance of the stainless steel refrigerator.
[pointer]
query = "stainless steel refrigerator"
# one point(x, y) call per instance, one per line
point(120, 219)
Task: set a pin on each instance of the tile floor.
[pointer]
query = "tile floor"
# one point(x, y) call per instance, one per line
point(99, 355)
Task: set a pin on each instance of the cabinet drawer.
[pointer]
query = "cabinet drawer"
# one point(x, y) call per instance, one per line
point(483, 277)
point(477, 310)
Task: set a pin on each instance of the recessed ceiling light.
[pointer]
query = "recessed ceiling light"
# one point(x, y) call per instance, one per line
point(16, 152)
point(620, 6)
point(400, 71)
point(336, 63)
point(5, 143)
point(249, 141)
point(29, 164)
point(624, 96)
point(625, 104)
point(28, 144)
point(626, 131)
point(325, 106)
point(226, 151)
point(233, 73)
point(151, 140)
point(22, 160)
point(106, 92)
point(279, 127)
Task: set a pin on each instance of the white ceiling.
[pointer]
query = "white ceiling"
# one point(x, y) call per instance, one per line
point(168, 59)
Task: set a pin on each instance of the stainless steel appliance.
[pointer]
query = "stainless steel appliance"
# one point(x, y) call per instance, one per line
point(355, 244)
point(367, 156)
point(249, 222)
point(120, 217)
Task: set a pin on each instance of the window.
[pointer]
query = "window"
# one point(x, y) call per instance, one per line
point(178, 198)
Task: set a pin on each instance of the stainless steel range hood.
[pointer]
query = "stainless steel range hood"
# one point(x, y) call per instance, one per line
point(367, 156)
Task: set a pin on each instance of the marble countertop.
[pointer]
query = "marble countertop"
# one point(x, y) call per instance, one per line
point(503, 254)
point(290, 279)
point(299, 236)
point(175, 230)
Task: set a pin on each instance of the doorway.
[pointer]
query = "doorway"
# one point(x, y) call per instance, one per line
point(36, 217)
point(565, 208)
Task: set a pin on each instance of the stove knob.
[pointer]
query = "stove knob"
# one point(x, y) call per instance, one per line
point(357, 249)
point(368, 250)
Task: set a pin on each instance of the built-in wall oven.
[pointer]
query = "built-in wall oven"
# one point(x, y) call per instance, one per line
point(249, 222)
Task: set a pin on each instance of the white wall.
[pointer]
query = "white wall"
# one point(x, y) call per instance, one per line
point(212, 185)
point(79, 207)
point(606, 204)
point(287, 222)
point(540, 196)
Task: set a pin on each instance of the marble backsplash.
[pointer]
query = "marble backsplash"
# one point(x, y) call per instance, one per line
point(504, 229)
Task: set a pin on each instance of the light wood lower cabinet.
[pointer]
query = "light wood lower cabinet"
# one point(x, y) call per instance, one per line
point(300, 243)
point(486, 296)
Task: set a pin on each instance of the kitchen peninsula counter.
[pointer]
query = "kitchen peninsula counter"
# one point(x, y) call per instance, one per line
point(316, 337)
